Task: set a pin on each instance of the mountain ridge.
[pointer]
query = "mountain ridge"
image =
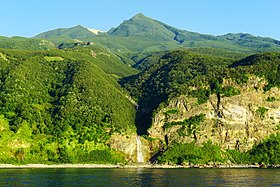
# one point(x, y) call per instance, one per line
point(76, 32)
point(160, 35)
point(140, 36)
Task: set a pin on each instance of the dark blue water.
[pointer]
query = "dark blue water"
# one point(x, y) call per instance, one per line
point(139, 177)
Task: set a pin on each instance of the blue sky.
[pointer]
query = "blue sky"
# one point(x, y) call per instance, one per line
point(30, 17)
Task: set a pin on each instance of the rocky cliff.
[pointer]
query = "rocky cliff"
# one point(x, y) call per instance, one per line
point(127, 144)
point(235, 122)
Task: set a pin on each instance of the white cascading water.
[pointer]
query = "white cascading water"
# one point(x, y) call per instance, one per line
point(140, 158)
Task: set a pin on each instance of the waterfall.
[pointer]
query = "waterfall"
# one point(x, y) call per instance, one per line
point(140, 158)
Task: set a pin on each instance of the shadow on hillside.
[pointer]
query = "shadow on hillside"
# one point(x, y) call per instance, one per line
point(147, 103)
point(143, 120)
point(145, 112)
point(143, 117)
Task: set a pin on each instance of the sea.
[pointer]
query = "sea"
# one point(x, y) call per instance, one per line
point(139, 177)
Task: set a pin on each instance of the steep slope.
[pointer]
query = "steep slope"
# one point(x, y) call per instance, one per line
point(147, 28)
point(62, 106)
point(142, 26)
point(189, 97)
point(107, 61)
point(169, 76)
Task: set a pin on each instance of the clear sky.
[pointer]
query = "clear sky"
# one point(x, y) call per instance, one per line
point(217, 17)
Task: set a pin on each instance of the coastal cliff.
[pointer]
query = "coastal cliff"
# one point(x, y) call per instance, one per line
point(236, 122)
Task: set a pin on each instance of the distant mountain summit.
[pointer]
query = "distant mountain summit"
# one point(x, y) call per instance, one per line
point(141, 34)
point(153, 30)
point(77, 32)
point(142, 26)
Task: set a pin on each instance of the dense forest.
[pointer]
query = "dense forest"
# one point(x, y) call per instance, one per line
point(62, 104)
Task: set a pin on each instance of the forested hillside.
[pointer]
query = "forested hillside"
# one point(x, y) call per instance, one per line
point(67, 106)
point(58, 105)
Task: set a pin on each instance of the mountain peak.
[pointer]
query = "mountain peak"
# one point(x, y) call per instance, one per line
point(139, 15)
point(78, 26)
point(141, 25)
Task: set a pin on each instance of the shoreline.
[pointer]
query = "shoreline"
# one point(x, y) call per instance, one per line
point(112, 166)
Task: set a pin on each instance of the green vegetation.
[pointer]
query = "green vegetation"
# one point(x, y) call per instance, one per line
point(261, 111)
point(252, 42)
point(101, 156)
point(198, 75)
point(141, 36)
point(184, 154)
point(202, 95)
point(190, 125)
point(171, 111)
point(238, 157)
point(173, 75)
point(266, 152)
point(77, 32)
point(230, 91)
point(227, 91)
point(61, 98)
point(62, 106)
point(271, 99)
point(25, 43)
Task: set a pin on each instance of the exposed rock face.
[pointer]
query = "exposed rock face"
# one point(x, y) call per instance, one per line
point(235, 122)
point(128, 145)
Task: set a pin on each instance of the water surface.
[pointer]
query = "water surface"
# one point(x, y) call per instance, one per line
point(139, 177)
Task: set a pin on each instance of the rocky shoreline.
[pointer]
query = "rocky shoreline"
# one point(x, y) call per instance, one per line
point(149, 166)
